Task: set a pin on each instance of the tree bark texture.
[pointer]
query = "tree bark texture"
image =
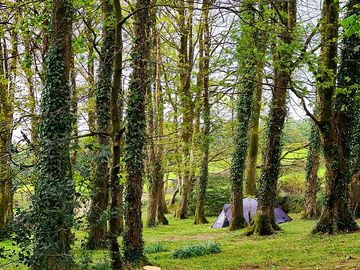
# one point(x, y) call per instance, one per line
point(185, 66)
point(204, 76)
point(53, 201)
point(6, 123)
point(335, 122)
point(98, 214)
point(312, 167)
point(264, 221)
point(136, 134)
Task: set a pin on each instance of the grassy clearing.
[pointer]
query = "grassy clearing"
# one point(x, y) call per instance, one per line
point(292, 248)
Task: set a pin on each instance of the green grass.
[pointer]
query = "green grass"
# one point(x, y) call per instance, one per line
point(292, 248)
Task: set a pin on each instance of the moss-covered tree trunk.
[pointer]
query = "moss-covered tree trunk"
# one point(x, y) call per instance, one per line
point(336, 109)
point(264, 221)
point(312, 167)
point(185, 67)
point(247, 71)
point(253, 148)
point(53, 200)
point(136, 134)
point(152, 158)
point(115, 190)
point(100, 190)
point(6, 123)
point(205, 70)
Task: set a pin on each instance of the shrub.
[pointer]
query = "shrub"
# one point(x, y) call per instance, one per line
point(295, 203)
point(291, 203)
point(218, 193)
point(155, 248)
point(196, 250)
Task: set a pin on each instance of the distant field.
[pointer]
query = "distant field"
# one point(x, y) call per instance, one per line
point(292, 248)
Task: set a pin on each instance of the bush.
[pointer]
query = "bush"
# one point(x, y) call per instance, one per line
point(291, 203)
point(196, 250)
point(155, 248)
point(295, 203)
point(218, 193)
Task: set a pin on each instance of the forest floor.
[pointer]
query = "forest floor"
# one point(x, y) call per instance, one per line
point(292, 248)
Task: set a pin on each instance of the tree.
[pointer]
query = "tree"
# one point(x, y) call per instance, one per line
point(264, 222)
point(116, 191)
point(355, 163)
point(186, 55)
point(312, 167)
point(350, 54)
point(53, 201)
point(261, 40)
point(247, 72)
point(204, 76)
point(100, 193)
point(136, 133)
point(6, 125)
point(336, 109)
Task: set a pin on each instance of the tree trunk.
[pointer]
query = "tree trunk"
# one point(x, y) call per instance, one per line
point(53, 201)
point(117, 96)
point(152, 180)
point(136, 134)
point(159, 132)
point(74, 109)
point(185, 65)
point(90, 77)
point(355, 163)
point(204, 70)
point(335, 122)
point(100, 193)
point(29, 75)
point(312, 167)
point(247, 71)
point(253, 148)
point(6, 122)
point(264, 221)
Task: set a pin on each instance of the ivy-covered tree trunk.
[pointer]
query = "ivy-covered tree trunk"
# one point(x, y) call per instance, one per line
point(204, 67)
point(261, 40)
point(355, 163)
point(264, 221)
point(116, 190)
point(185, 66)
point(312, 167)
point(253, 148)
point(53, 201)
point(100, 190)
point(247, 70)
point(336, 111)
point(6, 123)
point(136, 134)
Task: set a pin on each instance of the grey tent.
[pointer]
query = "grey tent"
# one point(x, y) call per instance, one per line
point(249, 208)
